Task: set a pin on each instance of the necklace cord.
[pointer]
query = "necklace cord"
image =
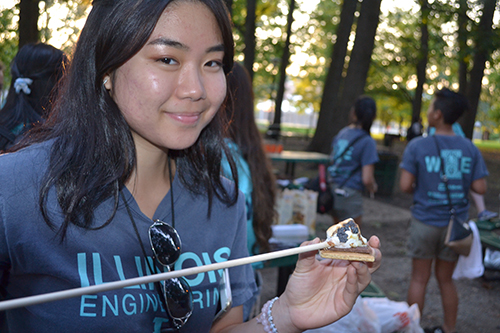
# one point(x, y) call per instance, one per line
point(171, 190)
point(157, 284)
point(172, 208)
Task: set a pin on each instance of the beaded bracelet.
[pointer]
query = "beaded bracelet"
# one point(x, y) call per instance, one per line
point(266, 318)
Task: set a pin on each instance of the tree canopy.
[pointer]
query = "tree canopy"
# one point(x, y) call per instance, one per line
point(455, 32)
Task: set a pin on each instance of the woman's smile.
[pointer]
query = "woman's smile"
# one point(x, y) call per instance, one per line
point(187, 118)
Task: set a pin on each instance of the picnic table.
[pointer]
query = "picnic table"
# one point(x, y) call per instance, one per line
point(291, 157)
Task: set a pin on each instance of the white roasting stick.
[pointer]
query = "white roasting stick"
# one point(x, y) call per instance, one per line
point(59, 295)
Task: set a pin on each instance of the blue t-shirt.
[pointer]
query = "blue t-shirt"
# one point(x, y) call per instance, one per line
point(363, 152)
point(37, 262)
point(463, 165)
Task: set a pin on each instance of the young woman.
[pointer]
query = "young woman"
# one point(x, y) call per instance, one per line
point(35, 70)
point(354, 154)
point(254, 171)
point(129, 161)
point(255, 177)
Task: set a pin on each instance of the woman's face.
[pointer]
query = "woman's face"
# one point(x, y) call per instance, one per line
point(173, 87)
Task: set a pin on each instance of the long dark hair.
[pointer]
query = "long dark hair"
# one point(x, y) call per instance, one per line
point(93, 153)
point(244, 132)
point(42, 64)
point(365, 110)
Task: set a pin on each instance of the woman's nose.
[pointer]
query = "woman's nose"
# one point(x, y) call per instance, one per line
point(191, 84)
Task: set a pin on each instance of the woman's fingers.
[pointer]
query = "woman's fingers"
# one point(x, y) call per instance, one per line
point(374, 243)
point(308, 258)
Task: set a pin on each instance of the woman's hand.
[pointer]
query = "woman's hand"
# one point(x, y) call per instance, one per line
point(320, 292)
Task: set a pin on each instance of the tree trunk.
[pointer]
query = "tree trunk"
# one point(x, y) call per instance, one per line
point(275, 128)
point(482, 48)
point(462, 47)
point(249, 41)
point(359, 64)
point(322, 137)
point(422, 62)
point(28, 22)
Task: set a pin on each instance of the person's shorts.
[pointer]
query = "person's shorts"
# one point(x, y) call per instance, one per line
point(348, 205)
point(427, 242)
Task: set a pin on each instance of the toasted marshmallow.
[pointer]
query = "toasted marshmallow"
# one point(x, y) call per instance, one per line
point(345, 234)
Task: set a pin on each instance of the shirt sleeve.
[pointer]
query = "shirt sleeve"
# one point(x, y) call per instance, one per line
point(408, 162)
point(369, 154)
point(480, 169)
point(332, 149)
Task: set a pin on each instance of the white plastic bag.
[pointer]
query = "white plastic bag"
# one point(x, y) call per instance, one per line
point(361, 319)
point(395, 316)
point(472, 266)
point(492, 259)
point(377, 315)
point(297, 207)
point(284, 206)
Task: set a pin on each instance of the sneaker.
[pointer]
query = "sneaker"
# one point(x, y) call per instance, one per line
point(486, 215)
point(437, 329)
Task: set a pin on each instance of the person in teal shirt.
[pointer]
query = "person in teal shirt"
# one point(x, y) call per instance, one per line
point(254, 172)
point(255, 177)
point(245, 186)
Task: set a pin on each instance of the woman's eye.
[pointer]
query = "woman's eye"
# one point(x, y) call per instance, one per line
point(214, 64)
point(168, 61)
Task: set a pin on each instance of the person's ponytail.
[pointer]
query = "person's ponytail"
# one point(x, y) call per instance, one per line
point(365, 110)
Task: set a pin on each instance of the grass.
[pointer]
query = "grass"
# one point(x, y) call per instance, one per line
point(488, 145)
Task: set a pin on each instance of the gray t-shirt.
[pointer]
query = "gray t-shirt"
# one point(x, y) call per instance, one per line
point(463, 165)
point(33, 260)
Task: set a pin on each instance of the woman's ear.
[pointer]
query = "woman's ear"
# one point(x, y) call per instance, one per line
point(107, 82)
point(438, 115)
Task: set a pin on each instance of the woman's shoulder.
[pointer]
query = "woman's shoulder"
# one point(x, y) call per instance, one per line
point(28, 160)
point(345, 131)
point(362, 137)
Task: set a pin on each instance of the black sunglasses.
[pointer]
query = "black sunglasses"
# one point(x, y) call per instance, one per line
point(176, 292)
